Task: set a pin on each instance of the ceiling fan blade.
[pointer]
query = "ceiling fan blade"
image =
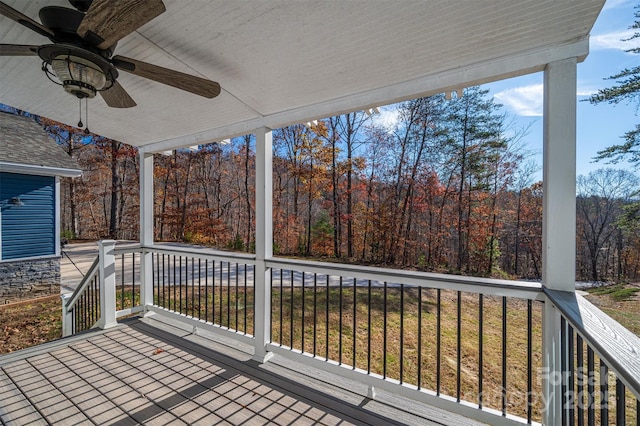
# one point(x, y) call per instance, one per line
point(108, 21)
point(117, 97)
point(20, 18)
point(190, 83)
point(18, 50)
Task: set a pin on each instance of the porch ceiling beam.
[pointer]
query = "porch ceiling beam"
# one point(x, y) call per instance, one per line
point(470, 75)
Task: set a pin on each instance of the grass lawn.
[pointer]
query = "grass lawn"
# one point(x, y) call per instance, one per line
point(416, 336)
point(620, 302)
point(30, 323)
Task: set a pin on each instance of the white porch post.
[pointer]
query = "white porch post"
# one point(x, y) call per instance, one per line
point(558, 218)
point(264, 242)
point(67, 316)
point(107, 270)
point(559, 175)
point(146, 228)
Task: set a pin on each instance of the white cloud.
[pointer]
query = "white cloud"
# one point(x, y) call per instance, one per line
point(388, 118)
point(524, 100)
point(614, 40)
point(586, 91)
point(527, 101)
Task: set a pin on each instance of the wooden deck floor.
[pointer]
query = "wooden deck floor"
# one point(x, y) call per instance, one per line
point(147, 372)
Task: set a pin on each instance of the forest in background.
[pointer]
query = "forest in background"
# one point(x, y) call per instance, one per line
point(449, 187)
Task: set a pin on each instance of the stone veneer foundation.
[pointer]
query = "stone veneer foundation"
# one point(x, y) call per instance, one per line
point(28, 279)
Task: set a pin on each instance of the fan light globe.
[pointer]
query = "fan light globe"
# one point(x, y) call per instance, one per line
point(80, 77)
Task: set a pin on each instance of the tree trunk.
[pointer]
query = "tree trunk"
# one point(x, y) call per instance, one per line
point(309, 207)
point(185, 203)
point(463, 169)
point(247, 140)
point(163, 205)
point(619, 247)
point(349, 142)
point(517, 243)
point(337, 235)
point(113, 232)
point(492, 238)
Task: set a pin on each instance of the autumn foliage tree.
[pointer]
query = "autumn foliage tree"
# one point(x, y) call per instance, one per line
point(446, 187)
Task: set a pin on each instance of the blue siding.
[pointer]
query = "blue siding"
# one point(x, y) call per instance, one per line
point(27, 230)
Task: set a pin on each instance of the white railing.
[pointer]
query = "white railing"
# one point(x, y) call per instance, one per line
point(81, 309)
point(112, 286)
point(601, 365)
point(478, 347)
point(454, 342)
point(211, 290)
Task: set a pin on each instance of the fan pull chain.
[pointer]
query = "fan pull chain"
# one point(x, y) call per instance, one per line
point(80, 112)
point(86, 115)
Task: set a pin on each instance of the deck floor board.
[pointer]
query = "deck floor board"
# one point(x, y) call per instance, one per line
point(151, 374)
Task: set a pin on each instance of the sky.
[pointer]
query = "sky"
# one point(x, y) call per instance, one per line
point(598, 126)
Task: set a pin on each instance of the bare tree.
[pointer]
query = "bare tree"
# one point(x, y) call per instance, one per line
point(600, 196)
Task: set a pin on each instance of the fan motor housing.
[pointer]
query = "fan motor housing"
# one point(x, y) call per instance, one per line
point(64, 23)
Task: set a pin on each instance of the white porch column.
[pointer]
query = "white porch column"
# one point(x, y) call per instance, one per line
point(558, 219)
point(107, 271)
point(146, 228)
point(264, 242)
point(559, 176)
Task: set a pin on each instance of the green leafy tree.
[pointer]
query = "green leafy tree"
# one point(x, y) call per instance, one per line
point(474, 143)
point(626, 88)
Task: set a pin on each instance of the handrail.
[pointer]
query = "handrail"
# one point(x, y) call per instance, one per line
point(127, 249)
point(497, 287)
point(204, 253)
point(489, 286)
point(619, 347)
point(93, 270)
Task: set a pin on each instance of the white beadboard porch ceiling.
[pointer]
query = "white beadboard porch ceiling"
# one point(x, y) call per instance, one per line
point(283, 61)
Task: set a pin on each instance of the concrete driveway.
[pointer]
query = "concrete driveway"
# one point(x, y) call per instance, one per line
point(78, 257)
point(74, 264)
point(76, 261)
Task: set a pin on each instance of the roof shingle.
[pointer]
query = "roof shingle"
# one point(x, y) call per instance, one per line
point(24, 142)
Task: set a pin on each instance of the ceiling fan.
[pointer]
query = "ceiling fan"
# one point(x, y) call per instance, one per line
point(84, 40)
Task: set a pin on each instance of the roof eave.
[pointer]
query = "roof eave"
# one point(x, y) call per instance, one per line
point(31, 169)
